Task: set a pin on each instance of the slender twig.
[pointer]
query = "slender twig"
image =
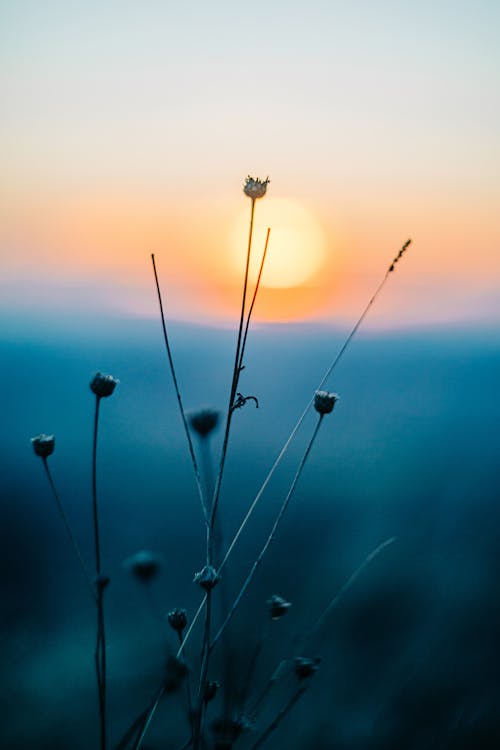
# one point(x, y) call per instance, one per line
point(100, 649)
point(294, 431)
point(234, 382)
point(271, 535)
point(68, 528)
point(279, 718)
point(299, 643)
point(188, 689)
point(148, 719)
point(179, 399)
point(253, 663)
point(254, 297)
point(345, 588)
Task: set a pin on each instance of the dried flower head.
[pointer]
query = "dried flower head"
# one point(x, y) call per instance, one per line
point(144, 565)
point(43, 445)
point(255, 188)
point(278, 606)
point(175, 673)
point(103, 385)
point(207, 578)
point(324, 401)
point(228, 729)
point(177, 619)
point(204, 421)
point(306, 667)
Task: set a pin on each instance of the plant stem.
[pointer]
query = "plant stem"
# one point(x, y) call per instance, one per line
point(188, 690)
point(100, 650)
point(179, 399)
point(68, 528)
point(250, 309)
point(271, 536)
point(279, 718)
point(148, 719)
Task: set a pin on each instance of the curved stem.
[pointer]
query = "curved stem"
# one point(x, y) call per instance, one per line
point(179, 399)
point(68, 528)
point(250, 309)
point(279, 718)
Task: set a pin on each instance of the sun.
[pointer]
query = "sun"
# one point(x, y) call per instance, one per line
point(297, 245)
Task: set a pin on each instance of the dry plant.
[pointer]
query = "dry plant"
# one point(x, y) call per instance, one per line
point(182, 672)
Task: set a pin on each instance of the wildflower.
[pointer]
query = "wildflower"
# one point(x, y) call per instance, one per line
point(204, 421)
point(278, 606)
point(305, 667)
point(175, 672)
point(43, 445)
point(177, 619)
point(324, 401)
point(255, 188)
point(103, 385)
point(207, 578)
point(144, 565)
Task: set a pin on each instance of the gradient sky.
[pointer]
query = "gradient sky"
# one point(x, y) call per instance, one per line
point(128, 128)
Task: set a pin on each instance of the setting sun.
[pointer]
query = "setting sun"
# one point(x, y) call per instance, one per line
point(297, 248)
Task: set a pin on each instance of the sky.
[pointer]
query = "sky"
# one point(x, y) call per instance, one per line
point(129, 128)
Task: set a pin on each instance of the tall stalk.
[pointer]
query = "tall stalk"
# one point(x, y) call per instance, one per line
point(100, 648)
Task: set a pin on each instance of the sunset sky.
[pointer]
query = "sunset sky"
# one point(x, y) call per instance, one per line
point(128, 128)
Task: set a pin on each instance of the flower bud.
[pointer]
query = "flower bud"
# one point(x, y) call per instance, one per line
point(255, 188)
point(144, 565)
point(103, 385)
point(207, 578)
point(324, 401)
point(305, 667)
point(204, 421)
point(177, 619)
point(43, 445)
point(278, 606)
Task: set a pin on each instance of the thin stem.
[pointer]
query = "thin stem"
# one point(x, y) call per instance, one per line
point(250, 309)
point(271, 536)
point(179, 399)
point(197, 733)
point(235, 378)
point(97, 542)
point(148, 719)
point(188, 690)
point(294, 431)
point(68, 528)
point(253, 664)
point(279, 718)
point(100, 650)
point(345, 588)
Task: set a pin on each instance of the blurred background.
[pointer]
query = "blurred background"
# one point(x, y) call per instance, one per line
point(129, 129)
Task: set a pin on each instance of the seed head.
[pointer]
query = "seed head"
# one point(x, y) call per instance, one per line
point(278, 606)
point(177, 619)
point(324, 401)
point(207, 578)
point(103, 385)
point(43, 445)
point(144, 565)
point(305, 667)
point(204, 421)
point(255, 188)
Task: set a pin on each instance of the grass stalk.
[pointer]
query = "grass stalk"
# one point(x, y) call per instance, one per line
point(279, 718)
point(270, 537)
point(179, 398)
point(100, 649)
point(68, 528)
